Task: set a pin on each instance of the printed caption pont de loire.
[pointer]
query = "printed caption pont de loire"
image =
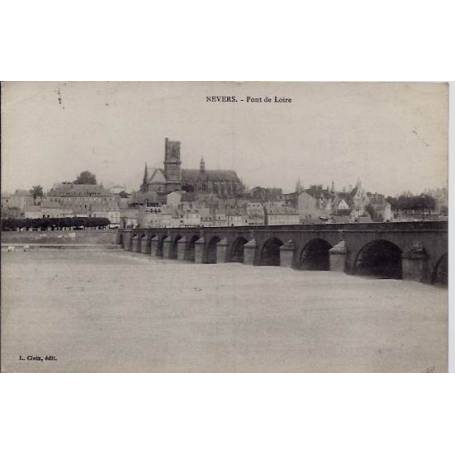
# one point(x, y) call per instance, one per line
point(247, 99)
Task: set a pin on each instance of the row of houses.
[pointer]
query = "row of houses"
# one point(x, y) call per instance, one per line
point(354, 205)
point(312, 205)
point(258, 206)
point(64, 200)
point(182, 209)
point(113, 214)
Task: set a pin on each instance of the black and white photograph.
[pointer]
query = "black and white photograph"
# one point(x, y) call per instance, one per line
point(224, 227)
point(227, 228)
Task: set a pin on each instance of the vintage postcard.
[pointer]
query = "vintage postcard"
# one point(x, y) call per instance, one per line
point(224, 227)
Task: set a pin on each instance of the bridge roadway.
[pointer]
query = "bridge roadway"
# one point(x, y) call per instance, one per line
point(403, 250)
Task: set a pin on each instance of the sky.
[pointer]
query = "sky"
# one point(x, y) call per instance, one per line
point(391, 136)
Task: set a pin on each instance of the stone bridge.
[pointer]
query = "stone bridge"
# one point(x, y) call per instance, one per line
point(406, 250)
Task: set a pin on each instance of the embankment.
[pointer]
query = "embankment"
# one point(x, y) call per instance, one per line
point(92, 237)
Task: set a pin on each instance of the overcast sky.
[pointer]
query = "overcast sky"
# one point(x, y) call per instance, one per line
point(392, 136)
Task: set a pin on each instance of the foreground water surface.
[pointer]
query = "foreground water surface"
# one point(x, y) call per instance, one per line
point(104, 310)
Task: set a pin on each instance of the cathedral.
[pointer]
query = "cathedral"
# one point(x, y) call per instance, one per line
point(223, 183)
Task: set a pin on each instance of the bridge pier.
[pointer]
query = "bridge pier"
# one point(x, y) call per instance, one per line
point(222, 248)
point(154, 246)
point(118, 237)
point(130, 243)
point(199, 247)
point(167, 247)
point(127, 241)
point(338, 257)
point(414, 264)
point(287, 254)
point(145, 245)
point(182, 245)
point(249, 252)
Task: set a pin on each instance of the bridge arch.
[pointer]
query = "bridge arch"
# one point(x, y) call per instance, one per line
point(191, 247)
point(440, 271)
point(270, 252)
point(211, 249)
point(237, 249)
point(315, 255)
point(379, 258)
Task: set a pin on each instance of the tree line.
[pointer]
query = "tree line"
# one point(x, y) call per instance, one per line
point(409, 202)
point(44, 224)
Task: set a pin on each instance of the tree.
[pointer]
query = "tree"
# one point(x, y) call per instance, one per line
point(54, 223)
point(123, 194)
point(372, 212)
point(393, 201)
point(36, 192)
point(87, 178)
point(406, 202)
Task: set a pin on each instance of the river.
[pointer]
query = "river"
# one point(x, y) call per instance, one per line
point(111, 310)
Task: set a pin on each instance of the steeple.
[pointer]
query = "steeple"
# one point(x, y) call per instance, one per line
point(332, 188)
point(298, 187)
point(145, 173)
point(202, 165)
point(145, 179)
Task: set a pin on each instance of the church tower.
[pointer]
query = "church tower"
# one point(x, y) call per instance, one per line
point(172, 164)
point(202, 165)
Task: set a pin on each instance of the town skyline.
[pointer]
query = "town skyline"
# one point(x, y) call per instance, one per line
point(304, 186)
point(112, 129)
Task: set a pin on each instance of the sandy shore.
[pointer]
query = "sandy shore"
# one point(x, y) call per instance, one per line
point(106, 310)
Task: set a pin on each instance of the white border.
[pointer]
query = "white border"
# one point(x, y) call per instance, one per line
point(236, 40)
point(227, 414)
point(385, 40)
point(451, 227)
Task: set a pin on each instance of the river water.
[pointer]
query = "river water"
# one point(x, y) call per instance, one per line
point(105, 310)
